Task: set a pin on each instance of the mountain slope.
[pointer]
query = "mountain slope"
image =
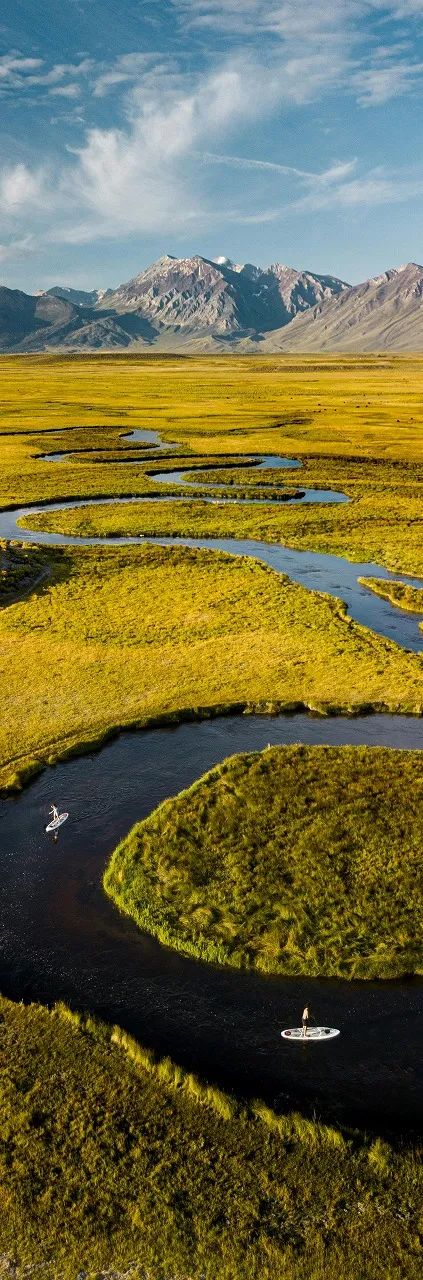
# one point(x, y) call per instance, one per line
point(24, 318)
point(384, 313)
point(79, 297)
point(195, 304)
point(200, 296)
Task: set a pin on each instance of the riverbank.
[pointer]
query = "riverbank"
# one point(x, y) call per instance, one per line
point(144, 1164)
point(135, 635)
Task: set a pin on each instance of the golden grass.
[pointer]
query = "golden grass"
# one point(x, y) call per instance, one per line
point(363, 530)
point(122, 1165)
point(368, 406)
point(355, 422)
point(121, 636)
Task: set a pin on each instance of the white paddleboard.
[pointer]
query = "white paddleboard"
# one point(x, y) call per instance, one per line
point(57, 822)
point(313, 1033)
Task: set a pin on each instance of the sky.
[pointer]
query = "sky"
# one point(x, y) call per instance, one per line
point(266, 130)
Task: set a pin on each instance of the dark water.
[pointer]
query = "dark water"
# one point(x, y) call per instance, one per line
point(61, 938)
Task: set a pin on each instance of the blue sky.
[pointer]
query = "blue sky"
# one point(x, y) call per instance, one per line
point(267, 130)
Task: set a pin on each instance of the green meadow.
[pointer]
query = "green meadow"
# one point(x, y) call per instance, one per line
point(296, 860)
point(109, 1158)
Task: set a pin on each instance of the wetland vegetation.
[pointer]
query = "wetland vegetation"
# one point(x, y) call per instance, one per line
point(108, 1157)
point(220, 633)
point(297, 860)
point(126, 636)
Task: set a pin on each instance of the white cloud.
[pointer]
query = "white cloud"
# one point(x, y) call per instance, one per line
point(150, 174)
point(26, 74)
point(377, 187)
point(378, 85)
point(321, 44)
point(66, 91)
point(20, 189)
point(127, 68)
point(12, 66)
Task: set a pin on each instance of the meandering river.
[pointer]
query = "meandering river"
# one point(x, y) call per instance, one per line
point(62, 939)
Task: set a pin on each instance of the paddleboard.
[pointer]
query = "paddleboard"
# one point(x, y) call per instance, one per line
point(57, 822)
point(313, 1033)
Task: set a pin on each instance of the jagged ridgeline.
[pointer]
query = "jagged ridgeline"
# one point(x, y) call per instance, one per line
point(198, 305)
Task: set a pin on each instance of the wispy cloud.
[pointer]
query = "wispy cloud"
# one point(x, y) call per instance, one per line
point(376, 187)
point(20, 189)
point(125, 70)
point(319, 44)
point(333, 174)
point(27, 74)
point(378, 85)
point(149, 173)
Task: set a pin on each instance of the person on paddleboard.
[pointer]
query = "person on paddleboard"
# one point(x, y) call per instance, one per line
point(305, 1019)
point(54, 812)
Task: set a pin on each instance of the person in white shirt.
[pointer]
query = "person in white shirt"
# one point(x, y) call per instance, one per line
point(305, 1019)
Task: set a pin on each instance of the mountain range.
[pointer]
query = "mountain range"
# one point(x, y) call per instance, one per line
point(196, 304)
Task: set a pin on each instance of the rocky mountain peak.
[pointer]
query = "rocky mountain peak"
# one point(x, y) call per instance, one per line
point(201, 304)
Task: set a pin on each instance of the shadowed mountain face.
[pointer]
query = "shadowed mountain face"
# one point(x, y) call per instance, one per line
point(194, 304)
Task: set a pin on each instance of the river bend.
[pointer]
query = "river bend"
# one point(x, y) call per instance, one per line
point(61, 938)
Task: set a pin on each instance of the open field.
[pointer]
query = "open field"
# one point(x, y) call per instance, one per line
point(108, 1157)
point(122, 636)
point(299, 860)
point(355, 423)
point(220, 632)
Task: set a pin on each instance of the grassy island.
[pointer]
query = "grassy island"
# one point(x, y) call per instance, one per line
point(298, 860)
point(110, 1160)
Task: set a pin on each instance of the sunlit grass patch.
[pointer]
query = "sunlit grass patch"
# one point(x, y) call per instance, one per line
point(122, 636)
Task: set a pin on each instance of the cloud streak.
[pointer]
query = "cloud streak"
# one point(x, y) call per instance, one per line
point(150, 173)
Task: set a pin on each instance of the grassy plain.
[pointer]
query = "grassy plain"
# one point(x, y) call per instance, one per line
point(355, 423)
point(153, 632)
point(122, 636)
point(298, 860)
point(107, 1157)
